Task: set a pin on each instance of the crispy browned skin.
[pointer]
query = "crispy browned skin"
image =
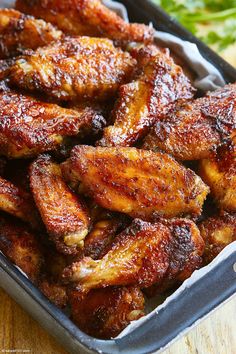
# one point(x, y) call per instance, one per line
point(74, 69)
point(62, 212)
point(21, 247)
point(187, 248)
point(19, 32)
point(144, 254)
point(104, 313)
point(146, 99)
point(54, 291)
point(17, 202)
point(86, 17)
point(101, 235)
point(192, 130)
point(219, 173)
point(218, 232)
point(29, 127)
point(137, 182)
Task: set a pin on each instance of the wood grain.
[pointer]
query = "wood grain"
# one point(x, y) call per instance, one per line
point(215, 335)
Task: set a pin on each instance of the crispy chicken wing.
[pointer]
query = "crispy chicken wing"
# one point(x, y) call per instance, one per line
point(73, 69)
point(137, 182)
point(19, 32)
point(63, 214)
point(146, 99)
point(219, 173)
point(144, 254)
point(21, 247)
point(218, 232)
point(86, 17)
point(29, 127)
point(17, 202)
point(191, 130)
point(104, 313)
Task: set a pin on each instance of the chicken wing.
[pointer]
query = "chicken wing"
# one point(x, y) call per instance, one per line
point(144, 254)
point(137, 182)
point(74, 69)
point(86, 17)
point(146, 99)
point(62, 212)
point(17, 202)
point(191, 130)
point(19, 32)
point(104, 313)
point(219, 173)
point(218, 232)
point(29, 127)
point(21, 247)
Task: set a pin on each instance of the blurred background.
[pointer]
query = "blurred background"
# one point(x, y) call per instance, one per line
point(213, 21)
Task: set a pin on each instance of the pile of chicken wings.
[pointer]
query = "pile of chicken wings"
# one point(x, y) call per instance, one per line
point(118, 178)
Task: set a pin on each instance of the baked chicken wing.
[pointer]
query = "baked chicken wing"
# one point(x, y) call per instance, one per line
point(19, 32)
point(137, 182)
point(143, 255)
point(218, 232)
point(62, 212)
point(21, 246)
point(104, 313)
point(14, 200)
point(74, 69)
point(191, 130)
point(54, 291)
point(29, 127)
point(219, 173)
point(146, 99)
point(86, 17)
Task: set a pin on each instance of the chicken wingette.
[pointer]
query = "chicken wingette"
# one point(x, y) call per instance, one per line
point(63, 214)
point(219, 173)
point(19, 32)
point(146, 99)
point(79, 68)
point(144, 254)
point(137, 182)
point(192, 130)
point(21, 246)
point(86, 17)
point(29, 127)
point(218, 232)
point(14, 200)
point(104, 313)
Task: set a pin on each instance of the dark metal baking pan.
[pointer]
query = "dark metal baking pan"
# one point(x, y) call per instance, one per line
point(192, 304)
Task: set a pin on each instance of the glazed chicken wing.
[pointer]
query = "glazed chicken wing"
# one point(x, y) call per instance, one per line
point(86, 17)
point(62, 212)
point(141, 255)
point(21, 247)
point(218, 232)
point(146, 99)
point(29, 127)
point(74, 69)
point(104, 313)
point(191, 130)
point(19, 32)
point(219, 173)
point(137, 182)
point(54, 291)
point(17, 202)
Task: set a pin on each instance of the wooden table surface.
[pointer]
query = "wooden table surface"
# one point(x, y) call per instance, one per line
point(19, 333)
